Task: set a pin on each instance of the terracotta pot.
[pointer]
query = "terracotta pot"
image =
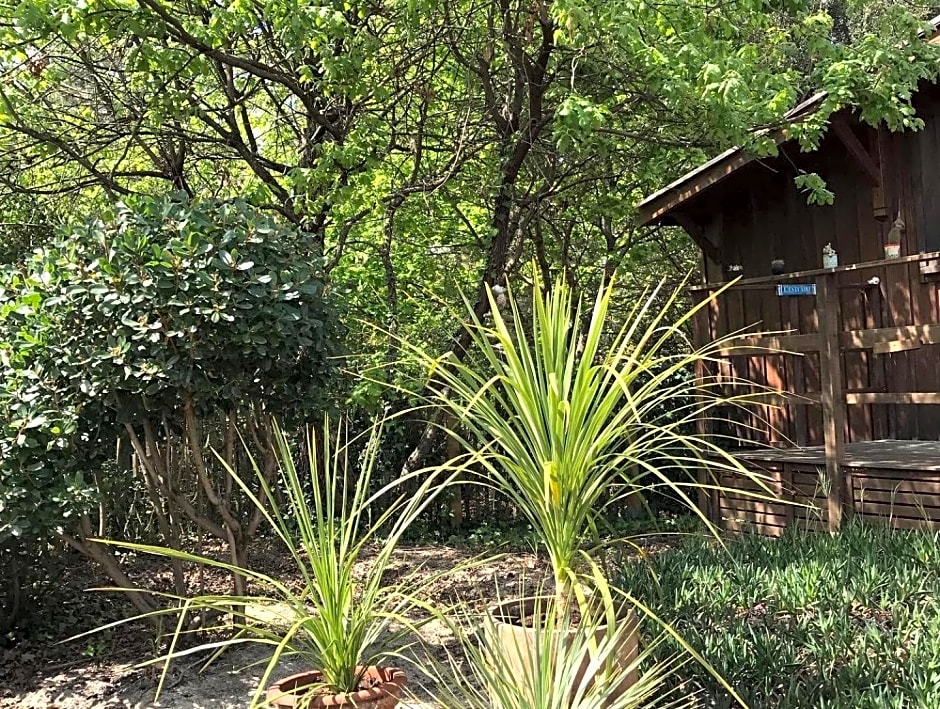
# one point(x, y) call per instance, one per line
point(389, 681)
point(519, 643)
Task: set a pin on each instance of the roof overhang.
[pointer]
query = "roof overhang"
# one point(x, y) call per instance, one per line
point(658, 205)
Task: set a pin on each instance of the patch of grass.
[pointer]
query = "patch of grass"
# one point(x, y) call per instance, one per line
point(806, 620)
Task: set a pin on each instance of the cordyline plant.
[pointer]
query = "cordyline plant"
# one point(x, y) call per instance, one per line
point(343, 617)
point(569, 662)
point(570, 414)
point(571, 666)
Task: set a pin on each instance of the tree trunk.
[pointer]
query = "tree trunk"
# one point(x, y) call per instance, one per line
point(233, 529)
point(142, 601)
point(11, 603)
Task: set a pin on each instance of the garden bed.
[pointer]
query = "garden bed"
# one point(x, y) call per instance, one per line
point(803, 621)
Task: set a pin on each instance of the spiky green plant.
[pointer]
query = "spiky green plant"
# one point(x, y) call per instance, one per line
point(569, 665)
point(342, 616)
point(570, 413)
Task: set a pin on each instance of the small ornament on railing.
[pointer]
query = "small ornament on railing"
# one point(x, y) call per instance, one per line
point(830, 257)
point(893, 243)
point(778, 267)
point(735, 270)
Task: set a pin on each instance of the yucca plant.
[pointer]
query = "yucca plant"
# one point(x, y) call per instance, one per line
point(569, 413)
point(565, 665)
point(340, 618)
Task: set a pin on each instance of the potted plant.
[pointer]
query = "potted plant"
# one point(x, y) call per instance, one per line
point(569, 414)
point(345, 624)
point(570, 665)
point(829, 256)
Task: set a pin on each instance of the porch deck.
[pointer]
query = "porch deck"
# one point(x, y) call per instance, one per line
point(897, 482)
point(877, 455)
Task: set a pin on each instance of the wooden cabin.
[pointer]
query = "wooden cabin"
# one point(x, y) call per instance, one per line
point(855, 347)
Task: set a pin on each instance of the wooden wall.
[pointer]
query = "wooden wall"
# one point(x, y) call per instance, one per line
point(758, 214)
point(880, 305)
point(859, 361)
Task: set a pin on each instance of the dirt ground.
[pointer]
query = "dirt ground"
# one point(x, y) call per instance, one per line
point(228, 684)
point(40, 671)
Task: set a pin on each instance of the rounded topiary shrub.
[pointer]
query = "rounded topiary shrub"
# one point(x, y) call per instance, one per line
point(170, 325)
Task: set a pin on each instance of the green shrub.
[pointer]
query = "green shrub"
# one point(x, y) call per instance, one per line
point(44, 465)
point(808, 620)
point(167, 322)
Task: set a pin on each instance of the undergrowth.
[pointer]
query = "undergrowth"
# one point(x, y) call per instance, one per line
point(517, 535)
point(807, 620)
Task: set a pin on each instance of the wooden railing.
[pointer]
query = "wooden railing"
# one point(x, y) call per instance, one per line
point(898, 301)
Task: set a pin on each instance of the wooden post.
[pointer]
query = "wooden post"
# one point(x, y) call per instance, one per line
point(833, 398)
point(708, 500)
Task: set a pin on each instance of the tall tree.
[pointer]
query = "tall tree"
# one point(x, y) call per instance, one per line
point(431, 144)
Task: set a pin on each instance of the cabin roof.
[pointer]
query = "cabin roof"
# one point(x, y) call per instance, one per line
point(659, 204)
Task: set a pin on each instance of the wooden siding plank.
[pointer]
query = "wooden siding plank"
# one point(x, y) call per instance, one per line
point(852, 294)
point(929, 140)
point(796, 377)
point(909, 499)
point(903, 523)
point(756, 371)
point(907, 486)
point(899, 376)
point(925, 333)
point(707, 499)
point(766, 530)
point(756, 345)
point(926, 362)
point(880, 415)
point(899, 511)
point(774, 510)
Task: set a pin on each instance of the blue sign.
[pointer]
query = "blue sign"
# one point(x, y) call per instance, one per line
point(796, 289)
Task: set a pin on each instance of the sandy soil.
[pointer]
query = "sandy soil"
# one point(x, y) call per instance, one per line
point(228, 684)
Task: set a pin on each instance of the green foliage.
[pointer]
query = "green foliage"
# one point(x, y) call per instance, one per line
point(131, 316)
point(570, 665)
point(45, 476)
point(869, 73)
point(809, 620)
point(402, 135)
point(815, 189)
point(209, 299)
